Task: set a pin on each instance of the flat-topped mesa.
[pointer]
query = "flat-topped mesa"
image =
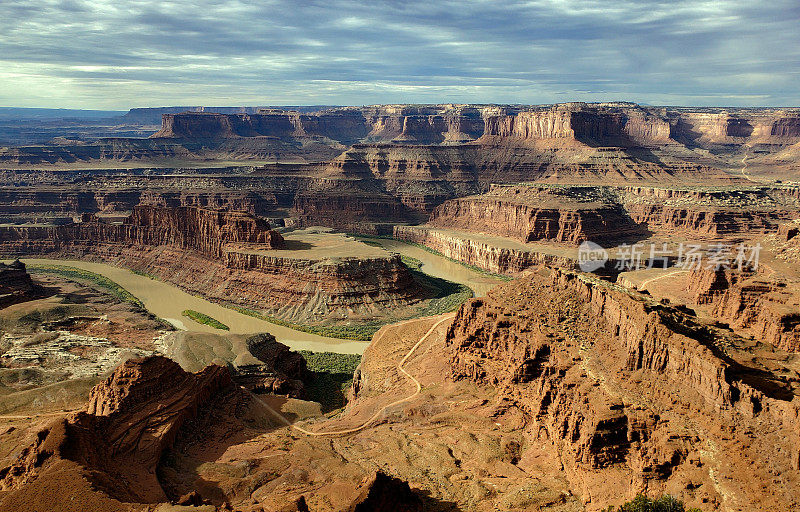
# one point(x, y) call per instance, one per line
point(706, 211)
point(602, 126)
point(420, 125)
point(599, 124)
point(742, 126)
point(533, 213)
point(339, 126)
point(612, 214)
point(630, 125)
point(204, 230)
point(631, 393)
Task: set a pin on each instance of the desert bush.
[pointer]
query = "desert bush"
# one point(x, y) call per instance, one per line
point(642, 503)
point(332, 377)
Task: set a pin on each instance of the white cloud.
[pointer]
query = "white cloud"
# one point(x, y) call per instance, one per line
point(117, 53)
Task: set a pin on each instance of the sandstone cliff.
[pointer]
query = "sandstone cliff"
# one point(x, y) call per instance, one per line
point(226, 257)
point(593, 125)
point(634, 395)
point(529, 213)
point(107, 456)
point(484, 254)
point(758, 302)
point(610, 215)
point(206, 231)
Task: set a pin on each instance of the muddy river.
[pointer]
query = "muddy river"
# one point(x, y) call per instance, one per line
point(444, 268)
point(167, 301)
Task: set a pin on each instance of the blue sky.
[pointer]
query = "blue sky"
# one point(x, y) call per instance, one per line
point(116, 54)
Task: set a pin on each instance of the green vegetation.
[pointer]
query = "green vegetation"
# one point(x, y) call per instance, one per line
point(331, 362)
point(333, 375)
point(361, 332)
point(205, 319)
point(109, 286)
point(447, 295)
point(477, 270)
point(642, 503)
point(144, 274)
point(410, 262)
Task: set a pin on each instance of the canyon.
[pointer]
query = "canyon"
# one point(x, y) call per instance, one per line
point(219, 250)
point(509, 375)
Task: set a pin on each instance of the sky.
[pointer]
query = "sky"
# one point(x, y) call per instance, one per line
point(118, 54)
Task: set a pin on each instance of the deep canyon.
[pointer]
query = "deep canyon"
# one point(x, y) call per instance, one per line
point(517, 379)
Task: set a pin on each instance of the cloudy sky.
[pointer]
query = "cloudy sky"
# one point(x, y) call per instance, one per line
point(116, 54)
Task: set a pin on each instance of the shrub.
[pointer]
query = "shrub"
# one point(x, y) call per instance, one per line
point(332, 376)
point(642, 503)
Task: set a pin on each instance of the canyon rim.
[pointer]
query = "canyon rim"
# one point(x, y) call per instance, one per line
point(429, 256)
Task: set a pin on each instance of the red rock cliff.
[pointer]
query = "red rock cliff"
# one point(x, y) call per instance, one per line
point(631, 394)
point(109, 454)
point(760, 303)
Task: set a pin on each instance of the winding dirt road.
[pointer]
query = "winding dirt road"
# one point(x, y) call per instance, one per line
point(282, 419)
point(383, 409)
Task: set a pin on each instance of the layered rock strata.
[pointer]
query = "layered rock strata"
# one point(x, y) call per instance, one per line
point(635, 396)
point(765, 306)
point(483, 254)
point(226, 256)
point(611, 215)
point(529, 213)
point(107, 456)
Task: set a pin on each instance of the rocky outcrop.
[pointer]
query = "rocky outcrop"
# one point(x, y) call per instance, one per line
point(599, 124)
point(762, 305)
point(632, 394)
point(594, 125)
point(530, 213)
point(709, 211)
point(108, 455)
point(343, 126)
point(346, 125)
point(737, 127)
point(15, 283)
point(611, 215)
point(282, 372)
point(350, 210)
point(203, 230)
point(206, 231)
point(483, 254)
point(226, 257)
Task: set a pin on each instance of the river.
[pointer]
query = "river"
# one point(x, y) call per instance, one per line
point(167, 301)
point(439, 266)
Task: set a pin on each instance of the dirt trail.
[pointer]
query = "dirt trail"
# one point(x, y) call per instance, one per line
point(282, 419)
point(744, 164)
point(383, 409)
point(648, 281)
